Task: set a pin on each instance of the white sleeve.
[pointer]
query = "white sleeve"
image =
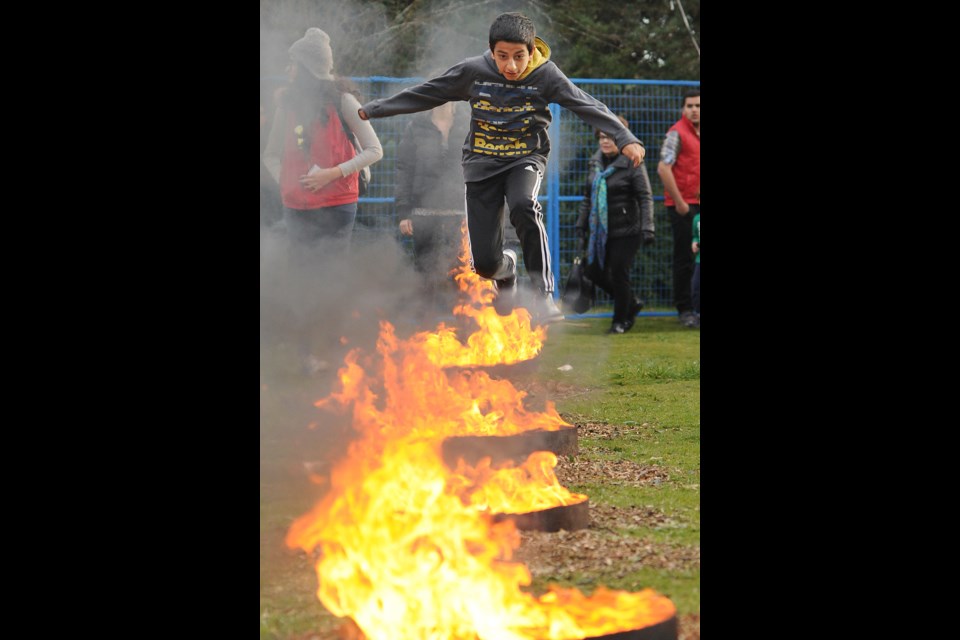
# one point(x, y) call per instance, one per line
point(372, 152)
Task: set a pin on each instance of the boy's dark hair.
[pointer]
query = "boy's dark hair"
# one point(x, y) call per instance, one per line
point(692, 93)
point(513, 27)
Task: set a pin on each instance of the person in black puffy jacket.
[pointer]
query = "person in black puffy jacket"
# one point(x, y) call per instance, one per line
point(616, 216)
point(430, 199)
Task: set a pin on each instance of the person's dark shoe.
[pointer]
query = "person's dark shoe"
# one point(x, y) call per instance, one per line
point(688, 319)
point(617, 329)
point(634, 310)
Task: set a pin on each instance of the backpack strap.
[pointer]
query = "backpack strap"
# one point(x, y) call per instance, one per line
point(351, 136)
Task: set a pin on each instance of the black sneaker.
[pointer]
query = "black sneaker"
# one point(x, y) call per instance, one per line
point(617, 329)
point(634, 310)
point(688, 319)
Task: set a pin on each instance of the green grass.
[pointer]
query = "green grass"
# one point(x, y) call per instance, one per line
point(647, 382)
point(682, 587)
point(288, 604)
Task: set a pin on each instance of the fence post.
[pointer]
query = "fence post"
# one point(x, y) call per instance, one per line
point(553, 197)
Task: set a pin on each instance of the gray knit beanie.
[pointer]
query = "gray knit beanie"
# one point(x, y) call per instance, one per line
point(313, 52)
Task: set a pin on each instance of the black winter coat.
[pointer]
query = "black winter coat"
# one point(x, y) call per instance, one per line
point(428, 175)
point(629, 199)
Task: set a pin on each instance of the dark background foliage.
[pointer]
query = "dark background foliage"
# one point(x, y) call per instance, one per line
point(590, 38)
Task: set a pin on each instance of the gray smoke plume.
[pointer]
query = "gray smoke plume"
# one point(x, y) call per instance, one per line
point(312, 313)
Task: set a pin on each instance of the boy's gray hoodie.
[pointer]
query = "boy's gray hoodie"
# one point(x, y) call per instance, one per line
point(510, 118)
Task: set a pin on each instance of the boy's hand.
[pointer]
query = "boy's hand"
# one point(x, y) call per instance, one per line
point(363, 114)
point(635, 152)
point(696, 247)
point(406, 227)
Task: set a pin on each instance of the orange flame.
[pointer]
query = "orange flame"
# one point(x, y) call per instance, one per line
point(531, 487)
point(411, 393)
point(408, 548)
point(500, 339)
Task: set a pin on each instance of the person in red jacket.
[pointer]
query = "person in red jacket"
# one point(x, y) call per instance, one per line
point(679, 170)
point(310, 153)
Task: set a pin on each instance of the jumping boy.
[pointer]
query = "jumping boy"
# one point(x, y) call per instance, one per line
point(505, 154)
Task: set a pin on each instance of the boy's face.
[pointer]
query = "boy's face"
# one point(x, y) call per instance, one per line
point(691, 110)
point(511, 58)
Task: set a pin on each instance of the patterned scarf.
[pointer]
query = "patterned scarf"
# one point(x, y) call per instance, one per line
point(597, 247)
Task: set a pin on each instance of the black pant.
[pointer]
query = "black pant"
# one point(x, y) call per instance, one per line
point(615, 276)
point(682, 256)
point(271, 210)
point(317, 233)
point(436, 245)
point(520, 186)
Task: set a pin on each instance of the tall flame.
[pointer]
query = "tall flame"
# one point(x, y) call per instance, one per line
point(500, 339)
point(408, 548)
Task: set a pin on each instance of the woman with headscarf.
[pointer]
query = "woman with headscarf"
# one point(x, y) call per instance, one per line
point(616, 215)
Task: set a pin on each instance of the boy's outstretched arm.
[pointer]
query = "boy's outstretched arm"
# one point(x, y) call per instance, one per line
point(453, 85)
point(594, 113)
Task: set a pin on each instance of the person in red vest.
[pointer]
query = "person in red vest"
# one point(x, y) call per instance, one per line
point(679, 170)
point(310, 152)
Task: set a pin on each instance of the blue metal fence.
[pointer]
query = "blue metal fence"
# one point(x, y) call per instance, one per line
point(650, 106)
